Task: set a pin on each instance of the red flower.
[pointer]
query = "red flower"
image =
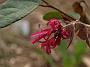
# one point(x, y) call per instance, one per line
point(52, 42)
point(46, 47)
point(51, 37)
point(54, 23)
point(39, 35)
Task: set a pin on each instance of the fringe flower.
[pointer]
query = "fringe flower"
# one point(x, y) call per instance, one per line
point(51, 36)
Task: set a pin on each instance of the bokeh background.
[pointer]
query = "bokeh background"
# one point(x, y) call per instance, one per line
point(16, 49)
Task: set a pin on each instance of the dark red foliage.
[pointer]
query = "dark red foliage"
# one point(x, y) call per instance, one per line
point(51, 37)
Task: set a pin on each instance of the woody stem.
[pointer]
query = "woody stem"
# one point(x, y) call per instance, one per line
point(61, 12)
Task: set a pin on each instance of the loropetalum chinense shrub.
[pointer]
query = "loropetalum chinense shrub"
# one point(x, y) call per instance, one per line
point(51, 37)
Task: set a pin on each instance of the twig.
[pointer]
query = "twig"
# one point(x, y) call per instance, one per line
point(77, 21)
point(64, 15)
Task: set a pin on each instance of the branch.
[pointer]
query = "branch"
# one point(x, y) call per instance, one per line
point(77, 21)
point(64, 15)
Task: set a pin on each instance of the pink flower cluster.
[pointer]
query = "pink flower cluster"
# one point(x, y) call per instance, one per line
point(51, 36)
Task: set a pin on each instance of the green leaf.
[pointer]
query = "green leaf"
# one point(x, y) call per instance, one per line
point(51, 15)
point(68, 59)
point(80, 47)
point(63, 49)
point(13, 10)
point(74, 15)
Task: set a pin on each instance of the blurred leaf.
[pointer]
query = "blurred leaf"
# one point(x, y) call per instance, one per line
point(63, 48)
point(80, 47)
point(68, 59)
point(53, 14)
point(13, 10)
point(74, 59)
point(74, 15)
